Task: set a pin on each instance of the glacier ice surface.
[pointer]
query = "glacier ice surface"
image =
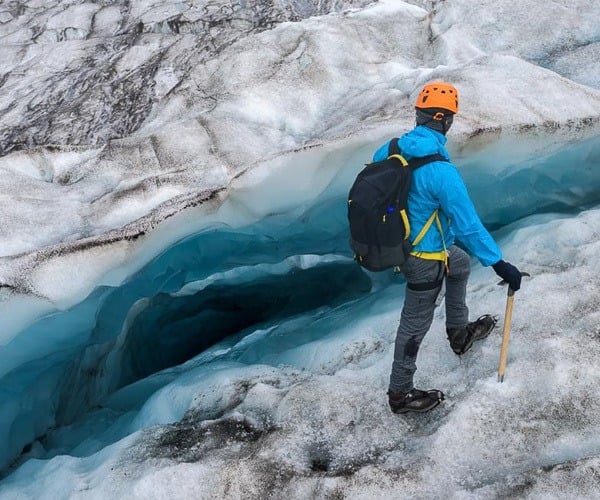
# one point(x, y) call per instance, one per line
point(236, 120)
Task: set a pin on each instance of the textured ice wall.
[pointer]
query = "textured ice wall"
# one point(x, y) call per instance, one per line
point(100, 68)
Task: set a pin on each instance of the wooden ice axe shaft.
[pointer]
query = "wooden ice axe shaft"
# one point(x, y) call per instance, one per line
point(506, 334)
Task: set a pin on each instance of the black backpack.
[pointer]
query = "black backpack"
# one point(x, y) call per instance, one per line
point(378, 211)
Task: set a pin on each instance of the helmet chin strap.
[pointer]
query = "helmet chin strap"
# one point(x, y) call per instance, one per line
point(446, 124)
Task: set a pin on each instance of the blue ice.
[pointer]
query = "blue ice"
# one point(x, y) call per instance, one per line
point(74, 381)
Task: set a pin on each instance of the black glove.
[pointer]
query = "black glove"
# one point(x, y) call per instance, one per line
point(508, 273)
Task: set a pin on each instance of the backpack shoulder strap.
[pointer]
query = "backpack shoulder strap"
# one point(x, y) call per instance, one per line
point(416, 163)
point(419, 162)
point(393, 148)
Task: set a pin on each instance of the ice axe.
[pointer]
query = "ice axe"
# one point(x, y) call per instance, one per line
point(510, 298)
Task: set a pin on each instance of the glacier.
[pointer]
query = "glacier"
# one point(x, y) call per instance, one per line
point(181, 315)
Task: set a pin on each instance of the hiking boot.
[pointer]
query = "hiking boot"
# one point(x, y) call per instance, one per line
point(461, 339)
point(415, 400)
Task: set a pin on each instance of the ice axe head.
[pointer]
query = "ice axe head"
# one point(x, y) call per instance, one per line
point(510, 290)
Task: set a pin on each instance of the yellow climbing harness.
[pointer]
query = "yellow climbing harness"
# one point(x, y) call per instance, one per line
point(441, 256)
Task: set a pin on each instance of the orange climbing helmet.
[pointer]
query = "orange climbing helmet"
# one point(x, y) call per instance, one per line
point(438, 95)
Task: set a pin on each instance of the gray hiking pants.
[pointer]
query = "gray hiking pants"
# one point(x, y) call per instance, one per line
point(417, 313)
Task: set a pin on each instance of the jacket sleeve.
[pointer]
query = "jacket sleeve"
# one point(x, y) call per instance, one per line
point(456, 203)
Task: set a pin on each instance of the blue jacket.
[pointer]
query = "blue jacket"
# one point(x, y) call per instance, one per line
point(439, 185)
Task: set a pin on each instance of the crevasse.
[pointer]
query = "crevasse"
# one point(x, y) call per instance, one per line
point(241, 294)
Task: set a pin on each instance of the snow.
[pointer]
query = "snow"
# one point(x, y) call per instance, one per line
point(161, 177)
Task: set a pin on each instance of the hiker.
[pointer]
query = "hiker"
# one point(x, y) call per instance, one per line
point(436, 261)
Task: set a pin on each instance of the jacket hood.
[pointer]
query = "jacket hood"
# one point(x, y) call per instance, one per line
point(423, 141)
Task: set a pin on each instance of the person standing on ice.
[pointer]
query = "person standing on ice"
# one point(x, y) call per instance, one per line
point(436, 259)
